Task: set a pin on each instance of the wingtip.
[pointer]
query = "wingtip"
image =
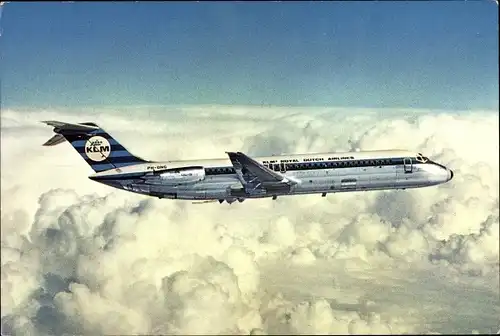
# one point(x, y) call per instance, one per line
point(47, 122)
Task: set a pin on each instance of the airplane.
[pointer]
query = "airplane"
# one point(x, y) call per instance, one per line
point(239, 177)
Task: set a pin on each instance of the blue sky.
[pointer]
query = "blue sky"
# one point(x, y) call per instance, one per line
point(367, 54)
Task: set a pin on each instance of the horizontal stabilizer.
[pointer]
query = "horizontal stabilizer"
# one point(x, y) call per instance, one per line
point(71, 127)
point(55, 140)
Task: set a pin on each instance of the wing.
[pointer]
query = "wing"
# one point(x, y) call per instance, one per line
point(255, 176)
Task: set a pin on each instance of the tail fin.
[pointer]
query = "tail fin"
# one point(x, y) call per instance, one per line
point(97, 147)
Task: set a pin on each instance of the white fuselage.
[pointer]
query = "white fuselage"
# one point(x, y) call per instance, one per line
point(312, 173)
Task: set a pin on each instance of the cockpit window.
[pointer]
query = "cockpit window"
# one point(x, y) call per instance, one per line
point(421, 158)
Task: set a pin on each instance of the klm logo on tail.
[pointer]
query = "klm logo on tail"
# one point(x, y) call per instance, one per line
point(97, 148)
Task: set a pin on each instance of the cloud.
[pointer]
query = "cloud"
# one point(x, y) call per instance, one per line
point(80, 257)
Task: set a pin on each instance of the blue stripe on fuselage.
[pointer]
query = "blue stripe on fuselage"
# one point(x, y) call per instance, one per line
point(300, 166)
point(121, 159)
point(313, 165)
point(106, 166)
point(118, 176)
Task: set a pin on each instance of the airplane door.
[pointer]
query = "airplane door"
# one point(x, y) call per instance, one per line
point(282, 167)
point(407, 165)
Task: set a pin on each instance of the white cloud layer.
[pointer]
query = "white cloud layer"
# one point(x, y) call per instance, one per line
point(82, 258)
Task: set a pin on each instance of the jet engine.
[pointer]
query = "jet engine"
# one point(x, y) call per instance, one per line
point(182, 175)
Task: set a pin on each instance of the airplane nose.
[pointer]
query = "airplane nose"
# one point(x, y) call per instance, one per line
point(450, 174)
